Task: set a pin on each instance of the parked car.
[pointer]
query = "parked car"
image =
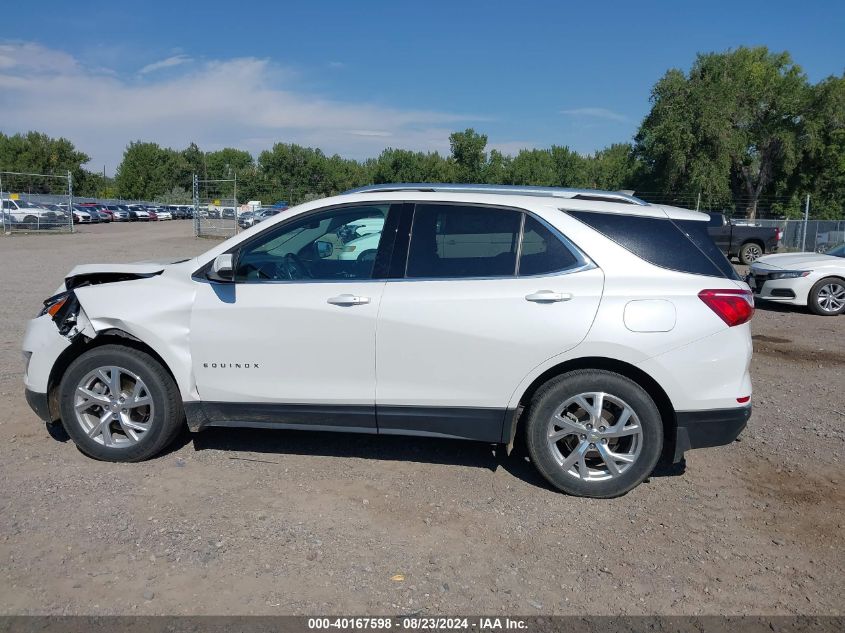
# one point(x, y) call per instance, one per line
point(816, 280)
point(96, 211)
point(118, 213)
point(744, 241)
point(246, 219)
point(610, 331)
point(137, 213)
point(81, 215)
point(266, 214)
point(30, 215)
point(164, 213)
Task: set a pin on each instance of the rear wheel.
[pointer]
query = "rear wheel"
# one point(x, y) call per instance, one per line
point(750, 252)
point(119, 404)
point(593, 433)
point(827, 297)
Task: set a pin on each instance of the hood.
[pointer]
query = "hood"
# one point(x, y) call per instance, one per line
point(797, 261)
point(91, 274)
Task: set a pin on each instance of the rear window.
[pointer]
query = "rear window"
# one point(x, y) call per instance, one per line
point(681, 245)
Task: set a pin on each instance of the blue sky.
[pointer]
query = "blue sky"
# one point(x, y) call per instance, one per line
point(354, 77)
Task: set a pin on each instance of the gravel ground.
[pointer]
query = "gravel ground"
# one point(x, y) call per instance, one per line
point(234, 522)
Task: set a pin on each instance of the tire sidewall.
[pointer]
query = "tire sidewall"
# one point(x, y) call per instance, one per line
point(160, 391)
point(550, 397)
point(814, 296)
point(742, 253)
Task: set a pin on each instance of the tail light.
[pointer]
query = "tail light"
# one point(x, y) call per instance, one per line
point(734, 306)
point(779, 234)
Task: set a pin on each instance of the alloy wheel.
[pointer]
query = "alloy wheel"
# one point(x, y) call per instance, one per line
point(831, 297)
point(113, 406)
point(595, 436)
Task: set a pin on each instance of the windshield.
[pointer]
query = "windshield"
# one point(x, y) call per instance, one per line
point(837, 251)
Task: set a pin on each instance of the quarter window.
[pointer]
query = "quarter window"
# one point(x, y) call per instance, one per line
point(680, 245)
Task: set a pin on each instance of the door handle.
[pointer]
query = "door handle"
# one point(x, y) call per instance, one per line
point(348, 300)
point(548, 296)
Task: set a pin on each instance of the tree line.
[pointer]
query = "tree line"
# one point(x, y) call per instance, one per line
point(743, 130)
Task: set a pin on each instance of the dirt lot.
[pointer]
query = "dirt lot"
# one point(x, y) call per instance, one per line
point(234, 522)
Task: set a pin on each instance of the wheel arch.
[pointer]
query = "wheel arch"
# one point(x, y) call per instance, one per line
point(633, 373)
point(81, 345)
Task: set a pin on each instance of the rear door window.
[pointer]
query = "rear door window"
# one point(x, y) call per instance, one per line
point(461, 241)
point(542, 250)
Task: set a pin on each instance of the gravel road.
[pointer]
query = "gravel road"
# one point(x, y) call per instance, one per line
point(235, 522)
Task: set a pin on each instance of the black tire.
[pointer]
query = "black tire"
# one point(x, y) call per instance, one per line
point(554, 394)
point(30, 222)
point(814, 301)
point(168, 418)
point(750, 252)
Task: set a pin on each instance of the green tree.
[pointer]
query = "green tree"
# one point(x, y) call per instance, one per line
point(227, 163)
point(194, 162)
point(613, 168)
point(400, 165)
point(821, 170)
point(729, 126)
point(38, 153)
point(148, 171)
point(468, 155)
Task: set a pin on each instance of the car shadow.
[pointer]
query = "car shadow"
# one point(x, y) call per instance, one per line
point(782, 308)
point(384, 447)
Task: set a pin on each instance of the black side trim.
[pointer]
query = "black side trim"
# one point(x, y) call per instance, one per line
point(484, 425)
point(714, 427)
point(40, 404)
point(281, 415)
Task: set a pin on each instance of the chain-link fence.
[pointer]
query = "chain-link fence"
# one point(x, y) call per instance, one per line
point(36, 202)
point(215, 207)
point(812, 235)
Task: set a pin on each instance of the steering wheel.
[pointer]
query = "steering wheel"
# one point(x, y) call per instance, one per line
point(295, 268)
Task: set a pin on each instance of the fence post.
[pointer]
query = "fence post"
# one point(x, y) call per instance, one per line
point(70, 198)
point(3, 209)
point(237, 226)
point(806, 218)
point(196, 207)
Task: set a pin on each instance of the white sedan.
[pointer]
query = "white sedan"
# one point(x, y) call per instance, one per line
point(804, 279)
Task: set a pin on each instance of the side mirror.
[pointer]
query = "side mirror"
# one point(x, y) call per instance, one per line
point(324, 249)
point(222, 269)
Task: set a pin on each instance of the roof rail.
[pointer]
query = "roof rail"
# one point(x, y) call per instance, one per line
point(514, 190)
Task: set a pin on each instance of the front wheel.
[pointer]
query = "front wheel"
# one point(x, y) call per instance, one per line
point(827, 297)
point(593, 433)
point(119, 404)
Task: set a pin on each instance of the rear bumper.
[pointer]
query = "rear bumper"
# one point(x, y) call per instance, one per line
point(714, 427)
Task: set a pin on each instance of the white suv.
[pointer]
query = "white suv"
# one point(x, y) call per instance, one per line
point(609, 331)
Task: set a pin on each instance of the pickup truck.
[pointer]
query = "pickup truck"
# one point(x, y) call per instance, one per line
point(744, 242)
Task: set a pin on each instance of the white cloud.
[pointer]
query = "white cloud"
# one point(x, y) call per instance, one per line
point(595, 113)
point(170, 62)
point(243, 102)
point(381, 133)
